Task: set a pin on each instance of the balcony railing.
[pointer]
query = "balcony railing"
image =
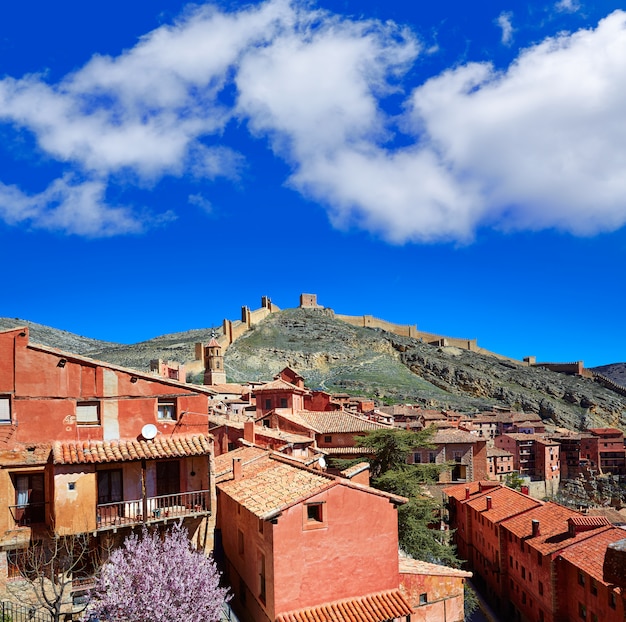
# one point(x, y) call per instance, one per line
point(28, 514)
point(161, 508)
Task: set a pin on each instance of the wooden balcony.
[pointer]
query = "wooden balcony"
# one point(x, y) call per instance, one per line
point(153, 509)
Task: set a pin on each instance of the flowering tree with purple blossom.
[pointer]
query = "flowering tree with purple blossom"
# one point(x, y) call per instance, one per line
point(161, 579)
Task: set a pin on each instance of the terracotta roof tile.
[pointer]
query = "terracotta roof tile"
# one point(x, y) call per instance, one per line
point(452, 435)
point(272, 482)
point(279, 385)
point(268, 485)
point(505, 502)
point(416, 566)
point(124, 450)
point(457, 491)
point(589, 554)
point(554, 527)
point(338, 421)
point(376, 607)
point(26, 454)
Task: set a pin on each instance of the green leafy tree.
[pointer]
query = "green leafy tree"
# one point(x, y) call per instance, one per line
point(513, 480)
point(418, 520)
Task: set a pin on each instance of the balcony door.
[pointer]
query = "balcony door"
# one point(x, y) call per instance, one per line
point(168, 478)
point(30, 498)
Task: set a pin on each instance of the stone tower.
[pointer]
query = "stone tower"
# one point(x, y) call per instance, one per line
point(214, 372)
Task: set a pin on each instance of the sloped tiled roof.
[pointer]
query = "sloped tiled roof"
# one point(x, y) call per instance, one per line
point(453, 435)
point(288, 437)
point(589, 554)
point(505, 502)
point(272, 482)
point(269, 485)
point(124, 450)
point(224, 462)
point(279, 385)
point(457, 491)
point(338, 422)
point(553, 527)
point(376, 607)
point(495, 451)
point(416, 566)
point(26, 454)
point(348, 451)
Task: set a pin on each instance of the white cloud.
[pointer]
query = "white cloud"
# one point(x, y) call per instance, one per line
point(505, 23)
point(567, 6)
point(75, 208)
point(544, 141)
point(541, 144)
point(199, 201)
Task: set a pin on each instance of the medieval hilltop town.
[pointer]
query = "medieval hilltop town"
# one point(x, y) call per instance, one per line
point(256, 472)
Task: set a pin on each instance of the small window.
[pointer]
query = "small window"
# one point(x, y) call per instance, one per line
point(541, 617)
point(539, 559)
point(261, 522)
point(581, 578)
point(582, 611)
point(314, 512)
point(266, 423)
point(262, 593)
point(88, 413)
point(5, 409)
point(268, 404)
point(283, 402)
point(540, 588)
point(612, 600)
point(328, 439)
point(432, 457)
point(457, 456)
point(523, 572)
point(423, 599)
point(593, 587)
point(594, 617)
point(167, 410)
point(417, 457)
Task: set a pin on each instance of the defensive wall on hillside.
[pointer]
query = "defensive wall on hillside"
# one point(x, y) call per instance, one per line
point(233, 329)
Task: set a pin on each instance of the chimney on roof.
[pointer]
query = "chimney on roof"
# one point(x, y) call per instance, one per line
point(467, 492)
point(489, 503)
point(536, 530)
point(248, 431)
point(524, 490)
point(480, 487)
point(236, 469)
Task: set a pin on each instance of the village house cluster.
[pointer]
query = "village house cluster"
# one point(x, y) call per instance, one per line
point(87, 447)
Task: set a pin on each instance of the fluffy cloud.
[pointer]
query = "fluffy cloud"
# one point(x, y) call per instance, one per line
point(541, 144)
point(72, 207)
point(505, 23)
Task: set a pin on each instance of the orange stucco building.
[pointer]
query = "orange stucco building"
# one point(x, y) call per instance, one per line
point(89, 447)
point(301, 545)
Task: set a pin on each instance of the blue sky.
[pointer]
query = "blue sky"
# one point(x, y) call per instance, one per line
point(458, 166)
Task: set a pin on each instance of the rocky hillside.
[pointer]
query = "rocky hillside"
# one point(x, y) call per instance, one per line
point(338, 357)
point(335, 356)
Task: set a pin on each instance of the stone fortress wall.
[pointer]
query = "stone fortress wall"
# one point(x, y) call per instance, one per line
point(233, 329)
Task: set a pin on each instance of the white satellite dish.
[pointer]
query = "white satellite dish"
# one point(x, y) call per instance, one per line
point(322, 462)
point(149, 431)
